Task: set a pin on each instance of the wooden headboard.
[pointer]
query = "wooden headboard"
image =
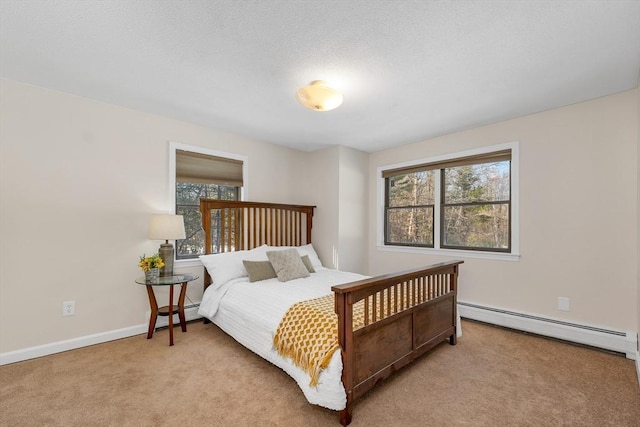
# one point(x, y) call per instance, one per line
point(246, 225)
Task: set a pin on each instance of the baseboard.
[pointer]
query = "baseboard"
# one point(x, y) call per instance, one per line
point(619, 341)
point(638, 365)
point(191, 313)
point(583, 334)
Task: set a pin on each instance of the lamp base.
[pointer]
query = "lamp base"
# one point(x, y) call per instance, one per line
point(166, 253)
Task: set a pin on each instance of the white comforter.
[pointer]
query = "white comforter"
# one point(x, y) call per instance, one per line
point(251, 312)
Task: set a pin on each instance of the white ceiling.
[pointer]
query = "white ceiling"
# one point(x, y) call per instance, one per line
point(409, 70)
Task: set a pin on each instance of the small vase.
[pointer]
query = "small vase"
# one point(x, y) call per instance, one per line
point(152, 275)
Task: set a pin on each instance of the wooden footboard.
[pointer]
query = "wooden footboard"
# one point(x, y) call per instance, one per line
point(386, 322)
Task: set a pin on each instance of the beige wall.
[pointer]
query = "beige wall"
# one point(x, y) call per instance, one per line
point(638, 230)
point(336, 180)
point(353, 213)
point(79, 180)
point(321, 174)
point(578, 213)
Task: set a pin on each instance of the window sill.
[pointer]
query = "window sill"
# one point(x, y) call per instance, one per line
point(192, 262)
point(451, 252)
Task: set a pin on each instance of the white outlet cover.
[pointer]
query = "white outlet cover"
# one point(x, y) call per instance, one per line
point(564, 304)
point(68, 308)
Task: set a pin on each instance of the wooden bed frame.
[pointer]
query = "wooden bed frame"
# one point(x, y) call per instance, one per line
point(406, 314)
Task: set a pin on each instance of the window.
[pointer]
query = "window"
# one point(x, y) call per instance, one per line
point(409, 209)
point(188, 195)
point(201, 173)
point(475, 208)
point(453, 203)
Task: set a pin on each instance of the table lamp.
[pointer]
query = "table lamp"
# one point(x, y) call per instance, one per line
point(166, 227)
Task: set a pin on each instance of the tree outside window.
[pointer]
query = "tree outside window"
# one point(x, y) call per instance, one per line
point(410, 202)
point(188, 197)
point(476, 207)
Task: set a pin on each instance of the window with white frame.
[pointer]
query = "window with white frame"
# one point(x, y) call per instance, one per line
point(201, 173)
point(457, 202)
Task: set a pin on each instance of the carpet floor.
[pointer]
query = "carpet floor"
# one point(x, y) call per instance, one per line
point(493, 377)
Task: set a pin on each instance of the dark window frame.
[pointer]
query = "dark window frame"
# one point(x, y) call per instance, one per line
point(441, 168)
point(444, 204)
point(388, 208)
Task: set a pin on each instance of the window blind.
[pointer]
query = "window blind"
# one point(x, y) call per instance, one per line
point(497, 156)
point(205, 169)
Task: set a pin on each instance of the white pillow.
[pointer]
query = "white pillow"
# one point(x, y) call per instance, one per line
point(313, 256)
point(227, 266)
point(259, 253)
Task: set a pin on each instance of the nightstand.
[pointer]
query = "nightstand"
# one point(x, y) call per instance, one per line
point(171, 309)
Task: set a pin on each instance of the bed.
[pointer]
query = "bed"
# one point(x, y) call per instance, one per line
point(383, 323)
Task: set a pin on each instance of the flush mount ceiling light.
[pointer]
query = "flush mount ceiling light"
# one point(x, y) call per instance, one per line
point(318, 96)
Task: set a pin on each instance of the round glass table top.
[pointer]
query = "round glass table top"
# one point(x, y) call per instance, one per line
point(167, 280)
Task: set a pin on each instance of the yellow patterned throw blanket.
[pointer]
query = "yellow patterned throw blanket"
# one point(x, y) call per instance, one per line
point(308, 334)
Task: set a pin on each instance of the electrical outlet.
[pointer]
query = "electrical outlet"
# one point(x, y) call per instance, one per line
point(564, 303)
point(68, 308)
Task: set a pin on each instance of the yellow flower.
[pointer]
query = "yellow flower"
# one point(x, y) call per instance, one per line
point(147, 263)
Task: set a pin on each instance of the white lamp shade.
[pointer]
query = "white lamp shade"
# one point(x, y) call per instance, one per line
point(166, 227)
point(319, 96)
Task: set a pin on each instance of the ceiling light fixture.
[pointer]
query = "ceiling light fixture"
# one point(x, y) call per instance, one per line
point(318, 96)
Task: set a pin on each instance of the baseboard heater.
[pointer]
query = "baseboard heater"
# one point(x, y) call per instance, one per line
point(190, 313)
point(618, 341)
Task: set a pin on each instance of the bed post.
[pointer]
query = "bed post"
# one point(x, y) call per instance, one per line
point(206, 225)
point(344, 310)
point(309, 219)
point(453, 339)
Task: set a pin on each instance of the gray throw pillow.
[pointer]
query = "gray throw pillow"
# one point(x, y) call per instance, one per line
point(287, 264)
point(307, 263)
point(259, 270)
